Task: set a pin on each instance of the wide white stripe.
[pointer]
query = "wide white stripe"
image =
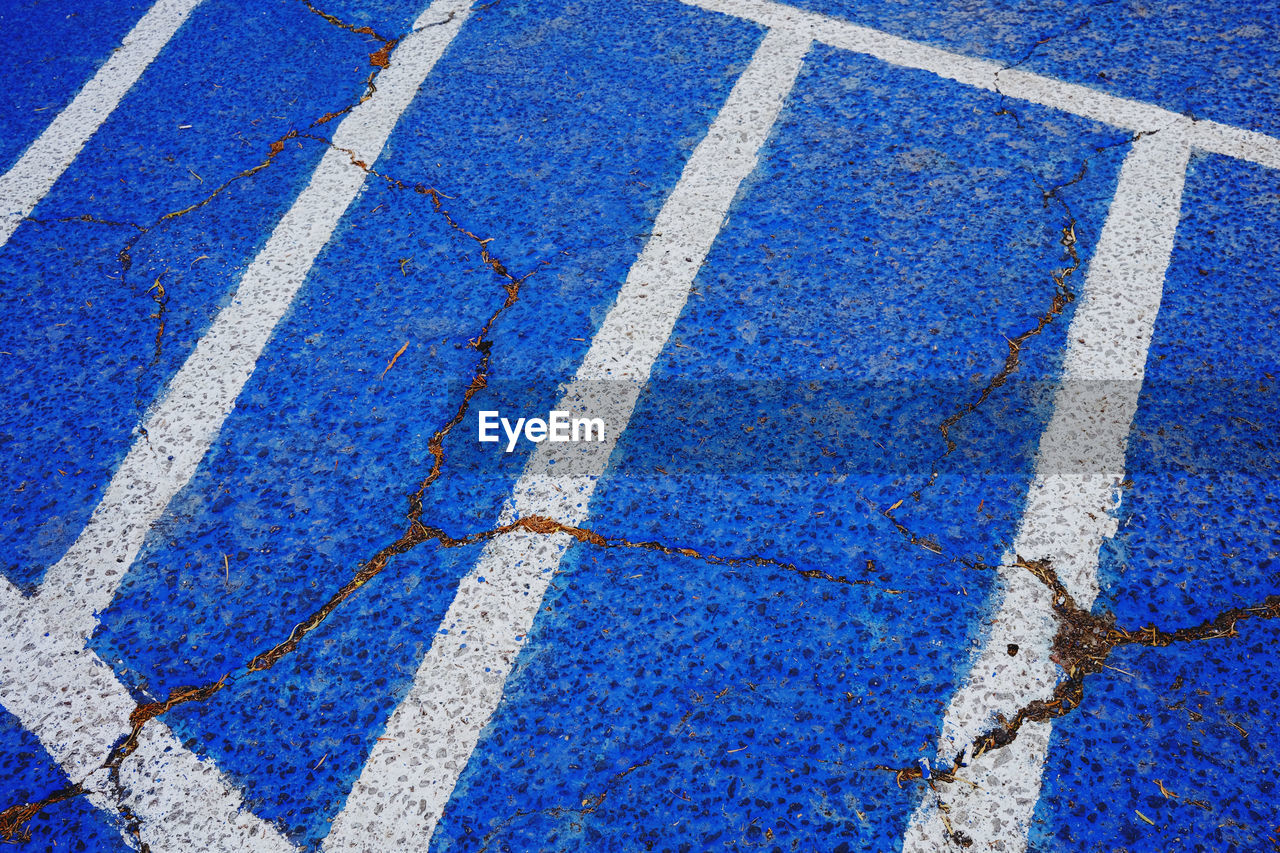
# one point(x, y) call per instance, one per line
point(44, 161)
point(1012, 82)
point(69, 699)
point(1069, 512)
point(60, 690)
point(412, 770)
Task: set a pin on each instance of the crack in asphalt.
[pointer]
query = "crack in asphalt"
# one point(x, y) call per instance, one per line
point(1085, 640)
point(14, 819)
point(1081, 646)
point(1003, 110)
point(1063, 295)
point(161, 298)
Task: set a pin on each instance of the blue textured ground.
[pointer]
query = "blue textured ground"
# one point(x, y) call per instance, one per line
point(1200, 534)
point(896, 233)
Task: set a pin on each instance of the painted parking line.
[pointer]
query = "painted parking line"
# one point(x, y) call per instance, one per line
point(996, 77)
point(40, 166)
point(1070, 511)
point(1199, 535)
point(1211, 60)
point(410, 774)
point(472, 658)
point(47, 633)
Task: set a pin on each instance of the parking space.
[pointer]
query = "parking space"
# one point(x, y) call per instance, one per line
point(892, 383)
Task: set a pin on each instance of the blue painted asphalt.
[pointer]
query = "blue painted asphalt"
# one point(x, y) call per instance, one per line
point(895, 234)
point(1199, 534)
point(1209, 60)
point(57, 46)
point(760, 701)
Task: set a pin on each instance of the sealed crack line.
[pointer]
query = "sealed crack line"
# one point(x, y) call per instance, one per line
point(302, 239)
point(14, 820)
point(343, 25)
point(182, 801)
point(1063, 295)
point(1083, 642)
point(379, 59)
point(1068, 514)
point(161, 297)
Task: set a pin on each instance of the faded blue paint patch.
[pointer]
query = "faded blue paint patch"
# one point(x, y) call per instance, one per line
point(1200, 533)
point(84, 356)
point(50, 50)
point(871, 268)
point(1216, 60)
point(28, 775)
point(555, 130)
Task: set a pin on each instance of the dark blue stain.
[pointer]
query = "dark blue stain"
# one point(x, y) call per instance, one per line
point(28, 775)
point(894, 234)
point(81, 356)
point(1199, 533)
point(554, 130)
point(1211, 60)
point(50, 50)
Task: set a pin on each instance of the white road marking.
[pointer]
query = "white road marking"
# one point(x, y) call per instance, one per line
point(49, 679)
point(65, 695)
point(1014, 82)
point(1069, 512)
point(182, 425)
point(44, 161)
point(185, 802)
point(412, 770)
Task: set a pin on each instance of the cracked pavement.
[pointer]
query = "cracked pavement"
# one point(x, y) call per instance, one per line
point(941, 513)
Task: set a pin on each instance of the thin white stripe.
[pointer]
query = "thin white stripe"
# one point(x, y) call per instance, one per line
point(60, 690)
point(412, 770)
point(181, 427)
point(1069, 504)
point(44, 161)
point(1069, 512)
point(1013, 82)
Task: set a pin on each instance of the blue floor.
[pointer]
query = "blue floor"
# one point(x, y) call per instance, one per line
point(750, 706)
point(899, 231)
point(1199, 535)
